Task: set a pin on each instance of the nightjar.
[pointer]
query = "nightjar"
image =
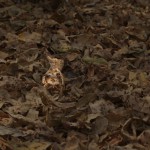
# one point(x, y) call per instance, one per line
point(53, 79)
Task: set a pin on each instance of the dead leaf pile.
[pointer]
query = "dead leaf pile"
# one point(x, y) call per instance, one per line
point(102, 75)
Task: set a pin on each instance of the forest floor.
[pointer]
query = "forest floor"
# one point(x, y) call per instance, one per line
point(104, 46)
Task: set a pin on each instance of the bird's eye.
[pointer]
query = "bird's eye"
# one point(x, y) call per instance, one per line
point(49, 74)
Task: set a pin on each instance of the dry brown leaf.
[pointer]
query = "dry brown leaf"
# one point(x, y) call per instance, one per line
point(30, 37)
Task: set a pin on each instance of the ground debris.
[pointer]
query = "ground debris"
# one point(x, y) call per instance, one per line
point(74, 75)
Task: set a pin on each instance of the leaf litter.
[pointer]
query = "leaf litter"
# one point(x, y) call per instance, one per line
point(74, 75)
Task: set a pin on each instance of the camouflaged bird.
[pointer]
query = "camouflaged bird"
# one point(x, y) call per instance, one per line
point(53, 79)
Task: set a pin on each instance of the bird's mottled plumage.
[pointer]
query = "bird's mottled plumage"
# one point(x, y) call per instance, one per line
point(53, 78)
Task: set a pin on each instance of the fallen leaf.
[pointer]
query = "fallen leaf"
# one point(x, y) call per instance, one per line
point(30, 37)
